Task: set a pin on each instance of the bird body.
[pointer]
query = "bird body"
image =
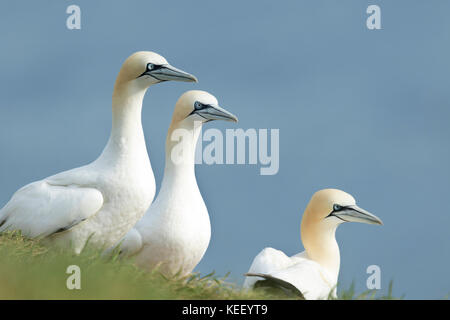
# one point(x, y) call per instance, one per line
point(102, 200)
point(313, 273)
point(306, 275)
point(175, 232)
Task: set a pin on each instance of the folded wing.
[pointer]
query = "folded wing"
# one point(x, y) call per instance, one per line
point(268, 260)
point(298, 275)
point(40, 208)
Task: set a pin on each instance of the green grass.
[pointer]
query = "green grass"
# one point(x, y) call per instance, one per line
point(350, 294)
point(29, 270)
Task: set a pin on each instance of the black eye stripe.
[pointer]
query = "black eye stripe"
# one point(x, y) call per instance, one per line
point(336, 208)
point(152, 66)
point(148, 69)
point(199, 106)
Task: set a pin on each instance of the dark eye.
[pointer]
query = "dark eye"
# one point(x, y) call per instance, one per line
point(337, 207)
point(197, 105)
point(150, 66)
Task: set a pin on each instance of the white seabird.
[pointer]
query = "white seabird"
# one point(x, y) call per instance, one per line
point(175, 231)
point(313, 273)
point(104, 199)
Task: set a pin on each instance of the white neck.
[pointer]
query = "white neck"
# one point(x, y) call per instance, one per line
point(320, 244)
point(181, 142)
point(127, 136)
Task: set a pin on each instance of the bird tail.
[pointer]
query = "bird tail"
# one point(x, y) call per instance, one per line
point(272, 282)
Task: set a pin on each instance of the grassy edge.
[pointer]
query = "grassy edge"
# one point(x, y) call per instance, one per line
point(30, 270)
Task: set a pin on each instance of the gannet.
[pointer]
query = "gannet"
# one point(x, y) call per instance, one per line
point(313, 273)
point(102, 200)
point(175, 231)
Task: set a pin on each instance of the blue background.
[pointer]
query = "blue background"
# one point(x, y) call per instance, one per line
point(364, 111)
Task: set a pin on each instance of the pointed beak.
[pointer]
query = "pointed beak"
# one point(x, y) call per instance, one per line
point(210, 112)
point(357, 214)
point(169, 73)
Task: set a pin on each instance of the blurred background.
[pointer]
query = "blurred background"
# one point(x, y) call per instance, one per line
point(365, 111)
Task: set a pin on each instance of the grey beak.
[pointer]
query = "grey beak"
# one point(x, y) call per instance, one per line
point(168, 73)
point(210, 112)
point(356, 214)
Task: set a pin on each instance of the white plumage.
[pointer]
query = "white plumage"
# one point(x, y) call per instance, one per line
point(309, 277)
point(175, 232)
point(105, 198)
point(313, 273)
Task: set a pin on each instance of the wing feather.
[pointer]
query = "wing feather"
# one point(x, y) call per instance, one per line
point(40, 208)
point(308, 277)
point(266, 261)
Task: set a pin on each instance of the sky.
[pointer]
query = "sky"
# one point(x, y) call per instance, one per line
point(365, 111)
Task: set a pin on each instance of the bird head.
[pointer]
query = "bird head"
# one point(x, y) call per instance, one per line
point(333, 206)
point(200, 106)
point(145, 68)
